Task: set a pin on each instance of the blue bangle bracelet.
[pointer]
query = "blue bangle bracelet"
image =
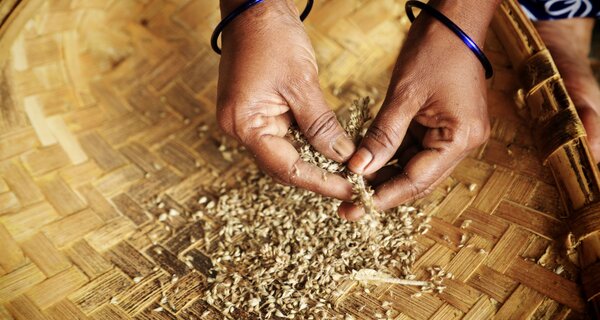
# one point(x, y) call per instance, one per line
point(489, 71)
point(239, 10)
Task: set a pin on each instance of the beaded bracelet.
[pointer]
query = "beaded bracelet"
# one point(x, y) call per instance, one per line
point(489, 71)
point(239, 10)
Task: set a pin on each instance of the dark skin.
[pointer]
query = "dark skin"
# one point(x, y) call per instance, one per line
point(437, 89)
point(267, 77)
point(434, 113)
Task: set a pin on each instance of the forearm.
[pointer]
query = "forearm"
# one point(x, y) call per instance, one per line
point(472, 16)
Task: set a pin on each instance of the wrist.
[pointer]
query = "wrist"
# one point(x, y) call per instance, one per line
point(265, 15)
point(268, 6)
point(229, 5)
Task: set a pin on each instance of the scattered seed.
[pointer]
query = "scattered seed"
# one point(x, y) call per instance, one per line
point(466, 223)
point(463, 239)
point(559, 269)
point(288, 248)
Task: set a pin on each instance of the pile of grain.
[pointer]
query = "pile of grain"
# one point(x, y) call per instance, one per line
point(282, 251)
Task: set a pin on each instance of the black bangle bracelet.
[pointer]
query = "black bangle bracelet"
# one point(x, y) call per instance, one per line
point(239, 10)
point(489, 71)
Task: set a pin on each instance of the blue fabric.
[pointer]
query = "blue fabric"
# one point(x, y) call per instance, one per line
point(560, 9)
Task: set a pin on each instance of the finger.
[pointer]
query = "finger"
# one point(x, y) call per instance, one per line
point(271, 110)
point(244, 119)
point(387, 172)
point(278, 158)
point(317, 121)
point(397, 191)
point(348, 211)
point(443, 149)
point(422, 173)
point(591, 123)
point(275, 126)
point(352, 212)
point(383, 137)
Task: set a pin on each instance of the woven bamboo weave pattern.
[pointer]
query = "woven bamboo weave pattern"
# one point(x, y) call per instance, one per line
point(108, 105)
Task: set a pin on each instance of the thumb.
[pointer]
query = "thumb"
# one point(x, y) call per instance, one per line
point(383, 137)
point(318, 122)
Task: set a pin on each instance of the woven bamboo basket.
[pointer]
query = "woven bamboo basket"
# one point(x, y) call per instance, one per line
point(100, 108)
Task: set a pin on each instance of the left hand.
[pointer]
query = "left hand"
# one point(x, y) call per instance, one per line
point(438, 89)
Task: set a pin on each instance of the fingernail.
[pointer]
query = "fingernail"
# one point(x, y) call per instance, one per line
point(355, 214)
point(344, 147)
point(360, 160)
point(343, 209)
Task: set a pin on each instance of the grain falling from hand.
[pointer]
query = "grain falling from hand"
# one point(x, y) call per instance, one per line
point(355, 126)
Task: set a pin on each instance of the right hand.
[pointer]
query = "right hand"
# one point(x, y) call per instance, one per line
point(267, 79)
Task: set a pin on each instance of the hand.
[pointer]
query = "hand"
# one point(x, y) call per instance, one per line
point(437, 90)
point(267, 78)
